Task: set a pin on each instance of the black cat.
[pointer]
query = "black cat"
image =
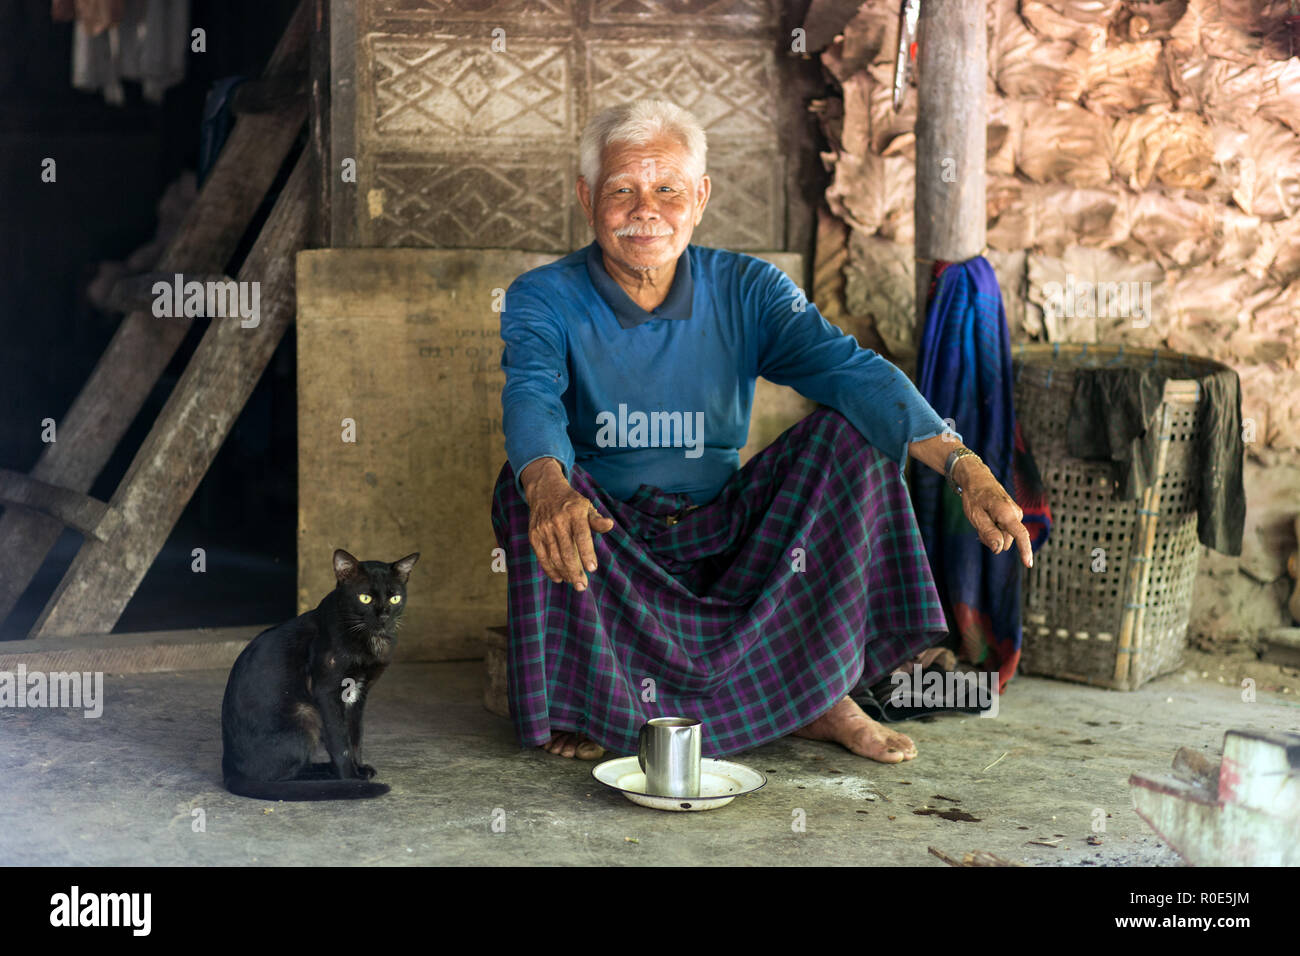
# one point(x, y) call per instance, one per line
point(305, 681)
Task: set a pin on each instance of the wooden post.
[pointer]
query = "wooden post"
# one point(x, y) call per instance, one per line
point(143, 345)
point(79, 512)
point(188, 432)
point(323, 175)
point(952, 71)
point(345, 206)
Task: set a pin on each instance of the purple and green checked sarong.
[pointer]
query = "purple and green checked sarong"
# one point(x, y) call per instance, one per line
point(713, 609)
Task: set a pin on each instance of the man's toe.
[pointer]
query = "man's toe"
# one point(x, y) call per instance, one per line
point(902, 744)
point(589, 750)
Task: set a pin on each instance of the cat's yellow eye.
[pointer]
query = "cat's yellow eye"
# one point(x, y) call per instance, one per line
point(395, 599)
point(364, 598)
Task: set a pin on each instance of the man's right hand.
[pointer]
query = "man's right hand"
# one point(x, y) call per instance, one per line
point(560, 523)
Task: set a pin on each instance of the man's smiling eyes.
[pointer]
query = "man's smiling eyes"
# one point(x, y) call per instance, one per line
point(622, 189)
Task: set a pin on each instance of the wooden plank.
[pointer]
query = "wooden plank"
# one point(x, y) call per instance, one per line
point(404, 343)
point(135, 293)
point(1250, 821)
point(148, 652)
point(1261, 770)
point(143, 653)
point(70, 508)
point(800, 80)
point(345, 204)
point(143, 345)
point(323, 176)
point(952, 66)
point(189, 431)
point(270, 94)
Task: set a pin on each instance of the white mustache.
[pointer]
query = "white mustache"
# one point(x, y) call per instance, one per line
point(641, 231)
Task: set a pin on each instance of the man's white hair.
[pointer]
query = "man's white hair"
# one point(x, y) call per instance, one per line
point(639, 123)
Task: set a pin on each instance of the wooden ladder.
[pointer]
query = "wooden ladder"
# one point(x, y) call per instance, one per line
point(124, 535)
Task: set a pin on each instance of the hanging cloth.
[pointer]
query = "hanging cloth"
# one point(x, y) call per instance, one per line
point(1113, 417)
point(115, 40)
point(964, 371)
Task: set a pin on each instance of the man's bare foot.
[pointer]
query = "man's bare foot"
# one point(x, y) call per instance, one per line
point(946, 659)
point(566, 744)
point(848, 725)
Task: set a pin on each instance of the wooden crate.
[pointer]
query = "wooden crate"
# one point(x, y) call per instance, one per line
point(406, 344)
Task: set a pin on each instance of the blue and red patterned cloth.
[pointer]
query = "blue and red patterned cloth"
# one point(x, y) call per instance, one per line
point(964, 371)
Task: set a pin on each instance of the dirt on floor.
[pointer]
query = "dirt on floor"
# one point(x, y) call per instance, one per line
point(1045, 783)
point(1232, 661)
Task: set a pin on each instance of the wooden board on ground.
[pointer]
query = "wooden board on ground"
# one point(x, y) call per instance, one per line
point(399, 425)
point(149, 652)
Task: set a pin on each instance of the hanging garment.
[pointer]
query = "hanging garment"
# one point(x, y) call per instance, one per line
point(150, 44)
point(1113, 417)
point(95, 15)
point(964, 371)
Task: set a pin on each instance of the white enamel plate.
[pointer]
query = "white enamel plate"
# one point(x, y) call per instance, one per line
point(721, 781)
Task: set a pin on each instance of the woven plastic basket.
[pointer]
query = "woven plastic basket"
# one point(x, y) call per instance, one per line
point(1108, 597)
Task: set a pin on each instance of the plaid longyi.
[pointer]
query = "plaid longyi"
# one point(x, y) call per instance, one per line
point(713, 608)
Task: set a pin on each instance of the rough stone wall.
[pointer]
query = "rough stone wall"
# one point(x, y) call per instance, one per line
point(1149, 142)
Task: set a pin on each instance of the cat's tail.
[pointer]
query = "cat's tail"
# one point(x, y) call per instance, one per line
point(304, 789)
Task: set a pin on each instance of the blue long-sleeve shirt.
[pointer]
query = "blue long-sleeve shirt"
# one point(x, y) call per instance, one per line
point(663, 397)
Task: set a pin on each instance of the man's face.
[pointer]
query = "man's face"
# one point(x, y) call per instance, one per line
point(645, 207)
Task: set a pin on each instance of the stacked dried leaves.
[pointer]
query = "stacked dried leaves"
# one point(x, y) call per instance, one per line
point(1127, 142)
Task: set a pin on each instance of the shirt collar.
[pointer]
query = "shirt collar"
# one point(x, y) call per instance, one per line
point(676, 306)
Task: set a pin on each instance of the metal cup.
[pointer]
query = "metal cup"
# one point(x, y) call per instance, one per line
point(669, 753)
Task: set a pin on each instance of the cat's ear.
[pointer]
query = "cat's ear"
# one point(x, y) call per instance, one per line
point(344, 564)
point(402, 566)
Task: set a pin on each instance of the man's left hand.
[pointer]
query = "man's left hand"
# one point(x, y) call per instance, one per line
point(992, 512)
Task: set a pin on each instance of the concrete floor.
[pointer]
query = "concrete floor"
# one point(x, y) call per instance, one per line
point(121, 789)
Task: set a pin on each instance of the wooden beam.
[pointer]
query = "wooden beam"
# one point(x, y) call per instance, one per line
point(134, 293)
point(346, 203)
point(187, 434)
point(951, 72)
point(324, 175)
point(270, 94)
point(142, 346)
point(70, 508)
point(142, 653)
point(201, 648)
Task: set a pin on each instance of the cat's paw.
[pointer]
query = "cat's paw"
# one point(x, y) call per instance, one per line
point(365, 770)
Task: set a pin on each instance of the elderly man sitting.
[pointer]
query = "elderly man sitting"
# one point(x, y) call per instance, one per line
point(649, 574)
